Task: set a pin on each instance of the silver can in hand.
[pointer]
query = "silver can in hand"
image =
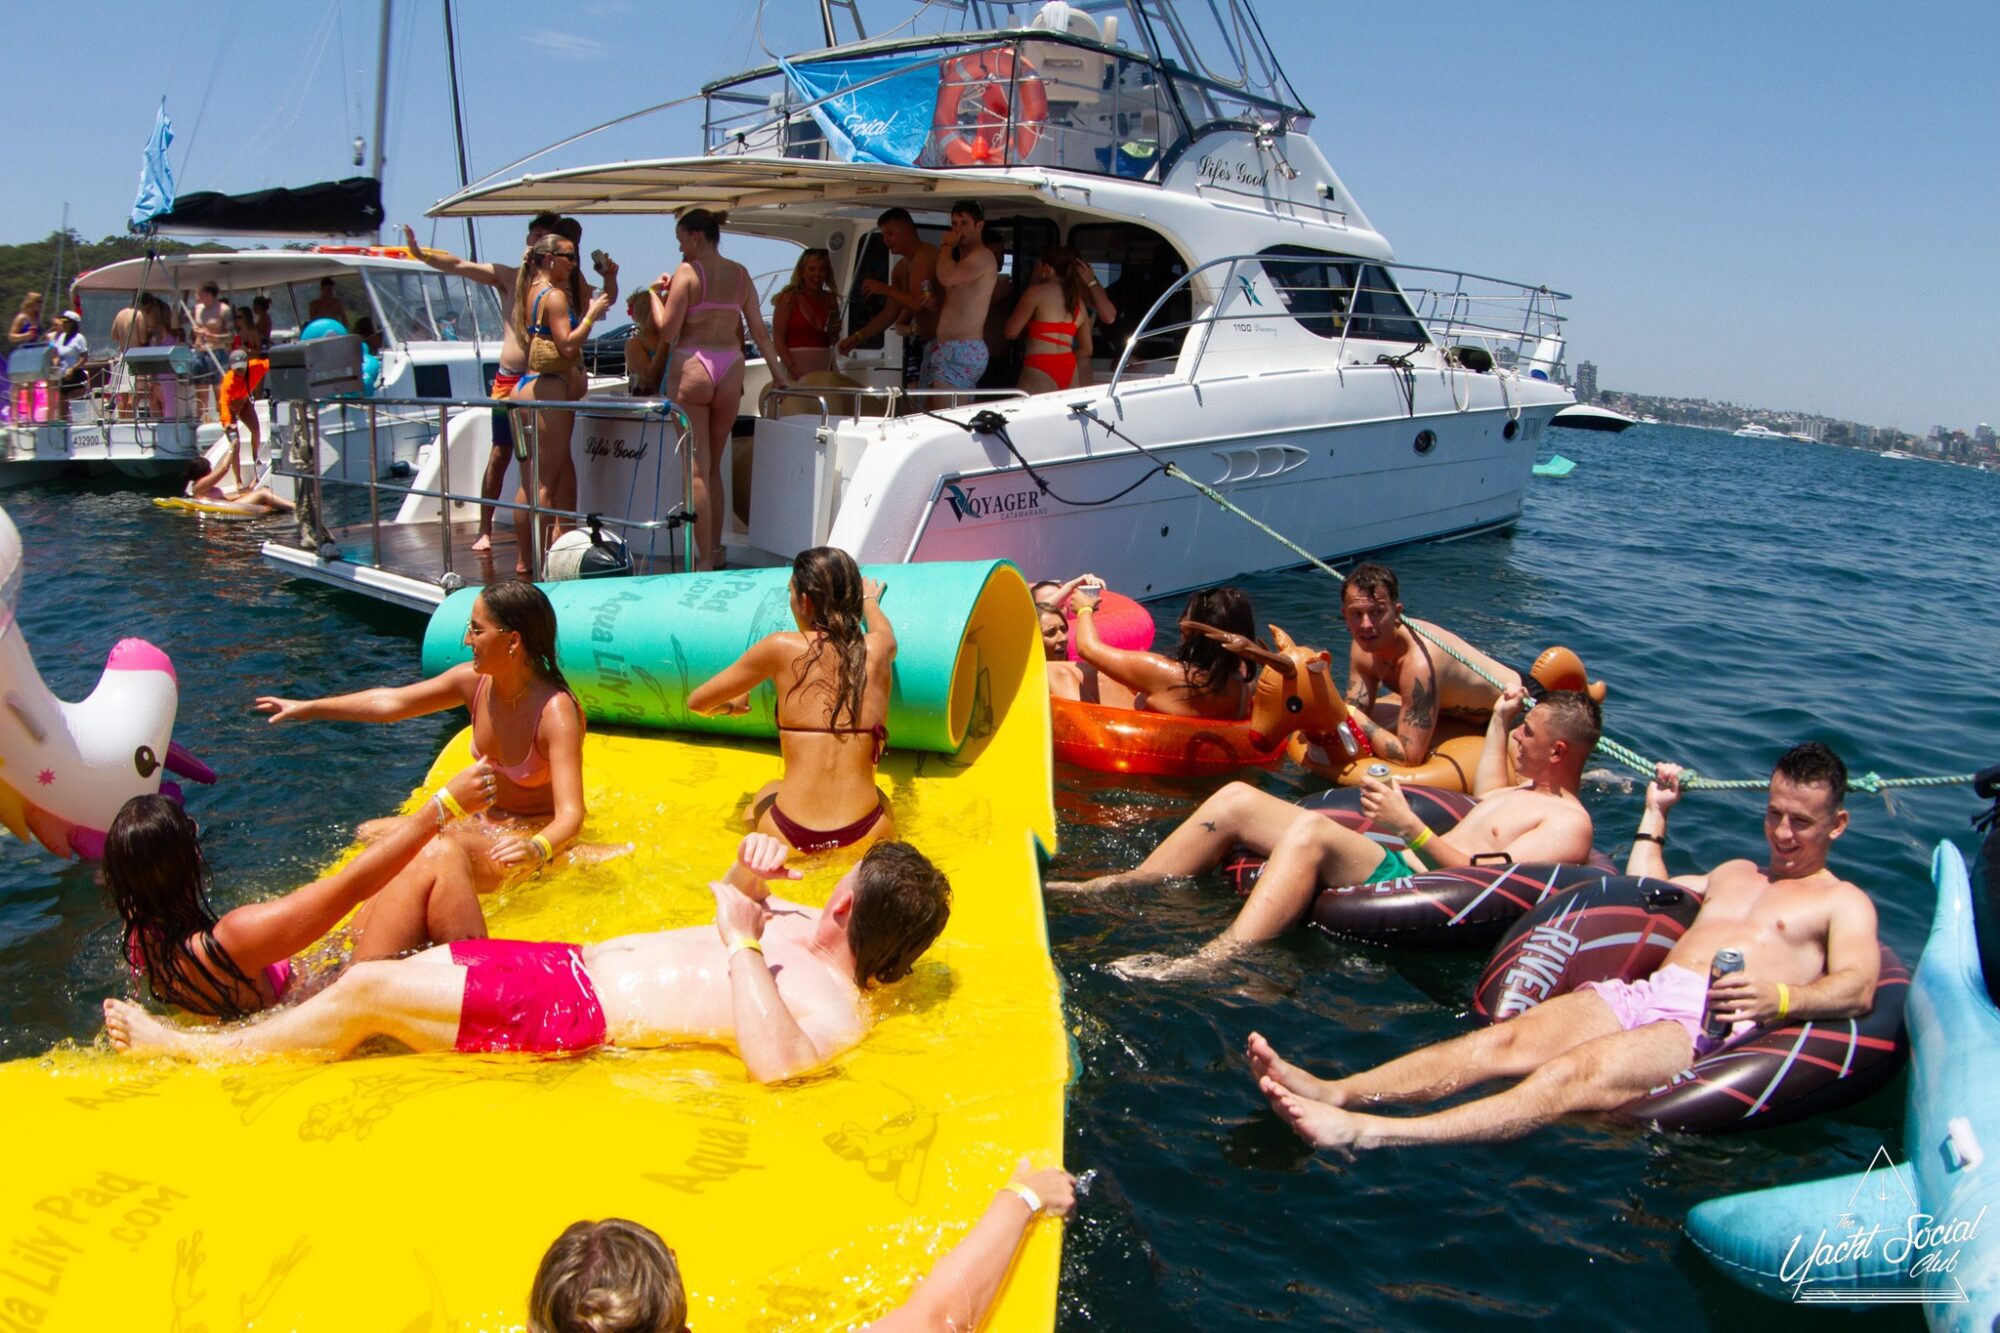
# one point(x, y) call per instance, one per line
point(1726, 961)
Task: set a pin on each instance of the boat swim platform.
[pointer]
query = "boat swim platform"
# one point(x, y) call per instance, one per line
point(412, 560)
point(397, 1191)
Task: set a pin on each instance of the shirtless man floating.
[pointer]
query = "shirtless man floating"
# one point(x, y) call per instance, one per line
point(1388, 656)
point(784, 983)
point(1539, 820)
point(1809, 951)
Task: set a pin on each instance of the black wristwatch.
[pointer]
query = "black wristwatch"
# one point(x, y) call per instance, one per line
point(1658, 839)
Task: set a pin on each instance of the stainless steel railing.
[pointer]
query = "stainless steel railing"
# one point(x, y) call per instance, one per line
point(311, 480)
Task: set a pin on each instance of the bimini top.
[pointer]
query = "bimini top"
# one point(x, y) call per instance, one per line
point(240, 270)
point(738, 185)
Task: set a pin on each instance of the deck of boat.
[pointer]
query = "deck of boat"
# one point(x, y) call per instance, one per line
point(416, 550)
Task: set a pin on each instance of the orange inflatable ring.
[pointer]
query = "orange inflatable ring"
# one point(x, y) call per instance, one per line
point(1295, 690)
point(980, 94)
point(1455, 745)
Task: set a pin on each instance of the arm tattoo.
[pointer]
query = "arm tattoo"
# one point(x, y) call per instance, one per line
point(1421, 710)
point(1208, 824)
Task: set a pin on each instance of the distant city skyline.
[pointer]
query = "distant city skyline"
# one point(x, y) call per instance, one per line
point(1750, 203)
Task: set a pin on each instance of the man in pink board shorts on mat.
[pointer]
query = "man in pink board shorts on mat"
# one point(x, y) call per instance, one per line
point(1809, 951)
point(783, 983)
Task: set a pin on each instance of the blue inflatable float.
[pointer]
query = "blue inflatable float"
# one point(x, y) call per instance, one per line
point(1925, 1229)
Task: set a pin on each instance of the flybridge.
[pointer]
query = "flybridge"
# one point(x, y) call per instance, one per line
point(1104, 87)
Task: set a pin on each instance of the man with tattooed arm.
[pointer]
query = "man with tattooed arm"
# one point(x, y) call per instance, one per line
point(1389, 657)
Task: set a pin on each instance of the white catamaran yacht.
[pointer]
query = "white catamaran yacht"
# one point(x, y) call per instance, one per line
point(439, 339)
point(1266, 345)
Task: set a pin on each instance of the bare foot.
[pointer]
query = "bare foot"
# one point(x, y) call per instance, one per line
point(133, 1031)
point(1265, 1062)
point(1163, 967)
point(1317, 1123)
point(483, 543)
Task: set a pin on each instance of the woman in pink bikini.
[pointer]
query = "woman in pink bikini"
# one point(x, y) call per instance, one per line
point(526, 726)
point(709, 301)
point(832, 676)
point(241, 962)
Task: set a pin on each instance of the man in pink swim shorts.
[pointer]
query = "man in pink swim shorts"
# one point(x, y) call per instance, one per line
point(1809, 949)
point(782, 983)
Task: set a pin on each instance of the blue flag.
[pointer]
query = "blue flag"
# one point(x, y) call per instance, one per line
point(886, 122)
point(156, 178)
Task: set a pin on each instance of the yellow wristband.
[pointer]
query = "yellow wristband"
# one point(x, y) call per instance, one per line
point(541, 844)
point(1416, 844)
point(746, 943)
point(450, 803)
point(1784, 999)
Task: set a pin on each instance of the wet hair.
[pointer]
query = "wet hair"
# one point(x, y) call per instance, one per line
point(158, 883)
point(901, 904)
point(1576, 717)
point(194, 470)
point(612, 1276)
point(1069, 275)
point(895, 215)
point(829, 583)
point(702, 222)
point(1207, 665)
point(1035, 590)
point(544, 221)
point(1372, 580)
point(1814, 765)
point(969, 208)
point(522, 608)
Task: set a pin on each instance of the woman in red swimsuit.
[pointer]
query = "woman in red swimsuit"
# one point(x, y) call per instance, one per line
point(240, 962)
point(832, 676)
point(1052, 315)
point(805, 317)
point(526, 726)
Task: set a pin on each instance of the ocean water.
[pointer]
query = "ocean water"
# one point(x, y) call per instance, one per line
point(1737, 597)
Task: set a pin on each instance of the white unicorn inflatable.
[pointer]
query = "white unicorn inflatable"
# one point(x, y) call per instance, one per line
point(66, 769)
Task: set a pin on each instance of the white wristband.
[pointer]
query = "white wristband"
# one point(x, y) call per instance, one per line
point(1027, 1196)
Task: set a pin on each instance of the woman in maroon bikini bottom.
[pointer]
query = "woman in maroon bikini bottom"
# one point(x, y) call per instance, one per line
point(832, 680)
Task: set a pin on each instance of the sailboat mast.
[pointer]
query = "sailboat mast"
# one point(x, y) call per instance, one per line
point(458, 123)
point(381, 93)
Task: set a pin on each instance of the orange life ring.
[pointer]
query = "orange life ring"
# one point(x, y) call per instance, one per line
point(980, 94)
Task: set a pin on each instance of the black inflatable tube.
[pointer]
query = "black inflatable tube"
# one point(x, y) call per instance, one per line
point(1623, 928)
point(1466, 907)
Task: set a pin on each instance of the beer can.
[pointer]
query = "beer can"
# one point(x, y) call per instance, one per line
point(1725, 962)
point(1380, 772)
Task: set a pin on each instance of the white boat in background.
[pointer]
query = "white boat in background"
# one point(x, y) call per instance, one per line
point(1582, 416)
point(1754, 431)
point(1267, 344)
point(439, 339)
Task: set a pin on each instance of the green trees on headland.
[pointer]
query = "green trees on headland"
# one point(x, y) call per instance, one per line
point(30, 267)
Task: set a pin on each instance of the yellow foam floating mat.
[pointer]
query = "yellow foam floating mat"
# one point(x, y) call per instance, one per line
point(403, 1192)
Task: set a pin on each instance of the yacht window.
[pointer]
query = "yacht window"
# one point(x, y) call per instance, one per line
point(431, 307)
point(1332, 296)
point(1136, 265)
point(346, 285)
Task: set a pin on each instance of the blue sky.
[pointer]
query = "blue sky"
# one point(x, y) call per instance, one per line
point(1785, 205)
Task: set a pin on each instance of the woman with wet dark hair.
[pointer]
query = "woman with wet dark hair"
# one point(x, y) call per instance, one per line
point(520, 705)
point(1210, 674)
point(832, 675)
point(411, 893)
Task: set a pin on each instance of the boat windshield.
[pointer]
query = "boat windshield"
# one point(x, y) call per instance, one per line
point(434, 307)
